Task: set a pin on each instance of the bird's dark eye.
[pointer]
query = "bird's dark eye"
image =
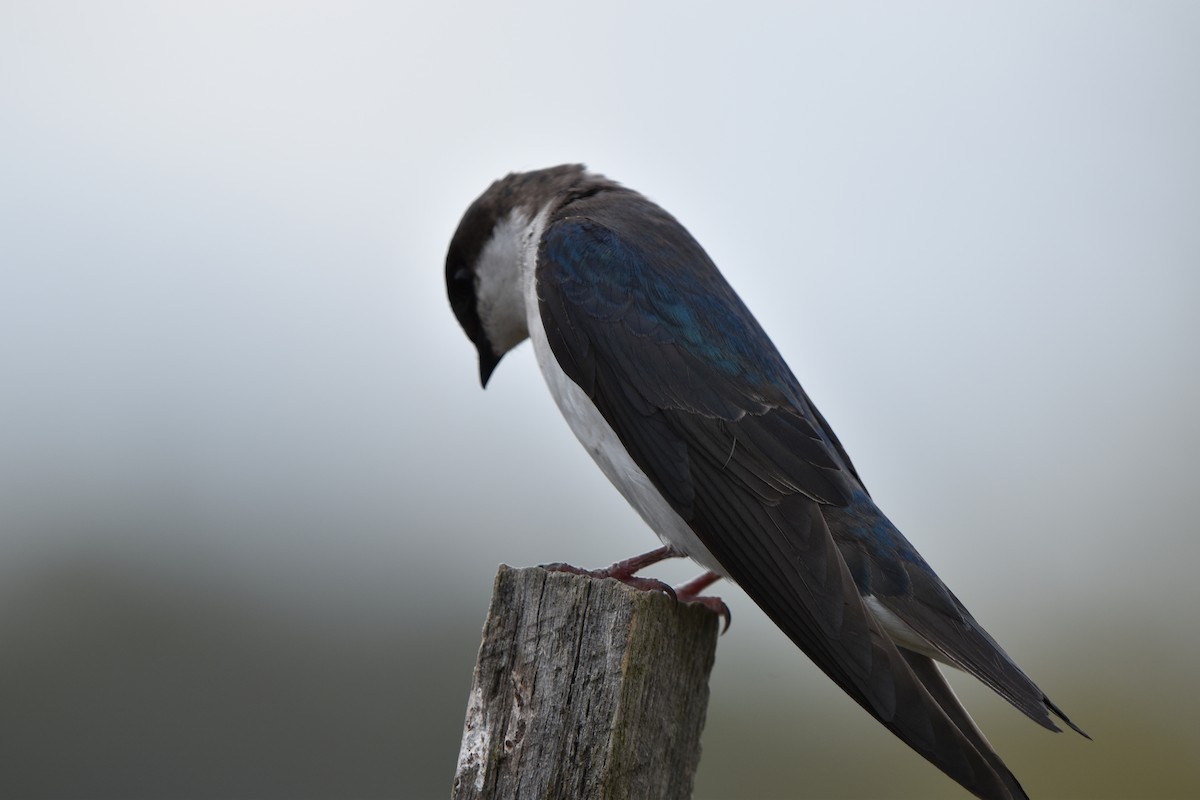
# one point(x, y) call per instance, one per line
point(462, 284)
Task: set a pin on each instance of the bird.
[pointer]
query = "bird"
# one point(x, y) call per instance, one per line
point(685, 404)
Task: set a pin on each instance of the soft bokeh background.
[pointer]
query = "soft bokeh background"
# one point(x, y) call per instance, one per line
point(252, 498)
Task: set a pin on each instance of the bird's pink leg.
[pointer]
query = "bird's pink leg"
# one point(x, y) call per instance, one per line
point(624, 570)
point(690, 593)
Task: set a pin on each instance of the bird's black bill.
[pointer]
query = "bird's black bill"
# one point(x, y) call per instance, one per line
point(487, 364)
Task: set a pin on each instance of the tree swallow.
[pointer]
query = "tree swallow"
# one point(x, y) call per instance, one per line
point(685, 404)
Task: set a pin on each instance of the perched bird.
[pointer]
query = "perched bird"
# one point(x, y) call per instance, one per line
point(685, 404)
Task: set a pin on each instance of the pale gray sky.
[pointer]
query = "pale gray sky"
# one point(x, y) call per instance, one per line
point(245, 461)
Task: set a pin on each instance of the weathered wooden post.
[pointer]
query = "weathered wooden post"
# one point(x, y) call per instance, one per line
point(585, 688)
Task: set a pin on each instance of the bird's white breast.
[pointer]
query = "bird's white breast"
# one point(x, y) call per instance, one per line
point(594, 433)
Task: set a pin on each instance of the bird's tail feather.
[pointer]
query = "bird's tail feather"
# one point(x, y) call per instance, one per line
point(935, 683)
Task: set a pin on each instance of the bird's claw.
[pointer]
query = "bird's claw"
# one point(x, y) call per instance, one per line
point(647, 585)
point(714, 604)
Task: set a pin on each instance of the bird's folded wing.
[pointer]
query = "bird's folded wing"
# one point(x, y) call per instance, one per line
point(708, 410)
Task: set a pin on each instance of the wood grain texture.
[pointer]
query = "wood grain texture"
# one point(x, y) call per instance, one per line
point(585, 688)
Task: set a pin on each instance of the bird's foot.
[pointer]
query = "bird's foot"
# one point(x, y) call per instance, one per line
point(623, 571)
point(690, 593)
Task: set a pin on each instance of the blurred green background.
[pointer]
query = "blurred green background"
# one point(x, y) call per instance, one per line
point(251, 496)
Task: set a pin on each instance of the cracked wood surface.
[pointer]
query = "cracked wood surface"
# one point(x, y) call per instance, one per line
point(585, 688)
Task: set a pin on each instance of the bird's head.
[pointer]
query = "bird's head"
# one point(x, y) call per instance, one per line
point(493, 249)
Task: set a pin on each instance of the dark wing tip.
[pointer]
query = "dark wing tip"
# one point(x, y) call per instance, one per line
point(1058, 712)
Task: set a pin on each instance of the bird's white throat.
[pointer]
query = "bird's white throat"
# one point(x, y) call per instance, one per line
point(499, 291)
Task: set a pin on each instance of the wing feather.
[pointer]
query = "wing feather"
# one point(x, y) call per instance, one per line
point(723, 430)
